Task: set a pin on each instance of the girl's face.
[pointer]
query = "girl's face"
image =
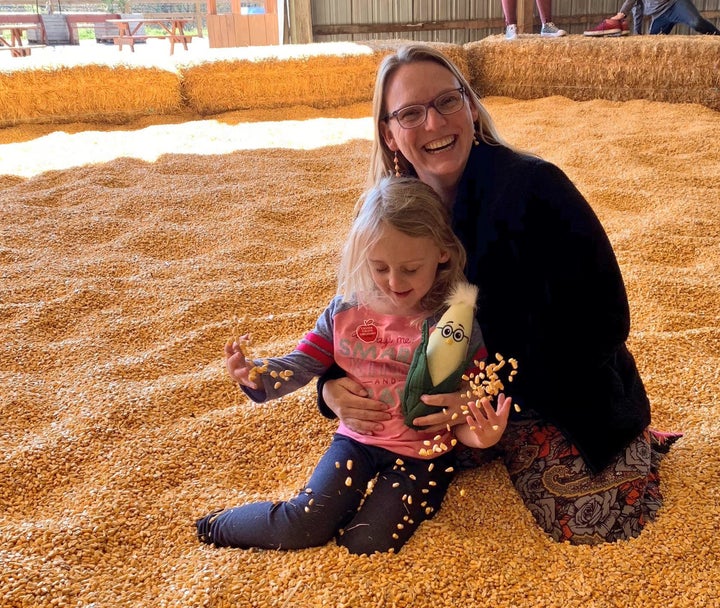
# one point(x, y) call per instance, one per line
point(404, 268)
point(438, 148)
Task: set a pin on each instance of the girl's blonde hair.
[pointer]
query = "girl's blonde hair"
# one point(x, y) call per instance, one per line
point(381, 159)
point(413, 208)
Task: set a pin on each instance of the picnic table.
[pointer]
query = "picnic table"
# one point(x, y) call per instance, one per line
point(173, 28)
point(13, 39)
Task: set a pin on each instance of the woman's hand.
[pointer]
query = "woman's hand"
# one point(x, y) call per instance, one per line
point(485, 425)
point(449, 411)
point(350, 402)
point(238, 366)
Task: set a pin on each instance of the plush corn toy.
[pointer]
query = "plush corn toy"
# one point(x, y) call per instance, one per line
point(442, 356)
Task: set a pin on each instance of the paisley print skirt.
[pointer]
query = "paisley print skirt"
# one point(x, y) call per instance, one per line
point(567, 501)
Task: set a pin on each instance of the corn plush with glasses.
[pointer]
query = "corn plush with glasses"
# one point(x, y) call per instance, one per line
point(442, 356)
point(448, 343)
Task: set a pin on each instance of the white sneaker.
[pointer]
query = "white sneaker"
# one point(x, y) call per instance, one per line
point(550, 30)
point(511, 32)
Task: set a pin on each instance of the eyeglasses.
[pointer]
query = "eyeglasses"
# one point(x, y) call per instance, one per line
point(413, 116)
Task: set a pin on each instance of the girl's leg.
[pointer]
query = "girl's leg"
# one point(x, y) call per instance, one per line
point(510, 11)
point(310, 519)
point(404, 495)
point(570, 503)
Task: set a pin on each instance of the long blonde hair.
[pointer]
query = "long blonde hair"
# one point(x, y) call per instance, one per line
point(413, 208)
point(381, 158)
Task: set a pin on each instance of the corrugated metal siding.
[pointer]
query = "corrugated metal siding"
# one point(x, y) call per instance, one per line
point(334, 12)
point(356, 12)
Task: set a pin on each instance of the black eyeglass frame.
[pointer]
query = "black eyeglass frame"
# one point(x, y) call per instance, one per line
point(426, 107)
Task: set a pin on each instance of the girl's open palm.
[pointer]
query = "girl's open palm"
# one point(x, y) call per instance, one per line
point(238, 366)
point(485, 425)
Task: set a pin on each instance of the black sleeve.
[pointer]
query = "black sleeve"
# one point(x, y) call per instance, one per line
point(333, 373)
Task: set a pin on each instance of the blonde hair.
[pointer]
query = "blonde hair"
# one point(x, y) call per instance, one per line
point(381, 158)
point(413, 208)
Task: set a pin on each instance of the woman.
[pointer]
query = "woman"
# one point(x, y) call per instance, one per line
point(579, 452)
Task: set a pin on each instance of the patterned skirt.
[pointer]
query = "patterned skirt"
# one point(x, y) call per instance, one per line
point(569, 502)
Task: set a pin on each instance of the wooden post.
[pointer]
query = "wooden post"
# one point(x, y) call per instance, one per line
point(526, 20)
point(300, 20)
point(199, 17)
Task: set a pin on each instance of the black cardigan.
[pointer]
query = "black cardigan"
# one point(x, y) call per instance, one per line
point(552, 297)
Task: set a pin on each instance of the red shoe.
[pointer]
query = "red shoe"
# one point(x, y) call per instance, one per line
point(607, 27)
point(624, 28)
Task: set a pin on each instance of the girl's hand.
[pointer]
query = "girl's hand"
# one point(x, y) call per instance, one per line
point(449, 411)
point(485, 425)
point(350, 402)
point(238, 366)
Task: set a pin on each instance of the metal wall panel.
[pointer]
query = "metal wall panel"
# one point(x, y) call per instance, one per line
point(356, 12)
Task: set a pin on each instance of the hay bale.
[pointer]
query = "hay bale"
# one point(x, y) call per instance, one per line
point(312, 76)
point(90, 93)
point(678, 69)
point(322, 75)
point(455, 52)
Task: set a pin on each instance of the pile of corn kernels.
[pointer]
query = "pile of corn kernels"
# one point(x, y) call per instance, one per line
point(119, 427)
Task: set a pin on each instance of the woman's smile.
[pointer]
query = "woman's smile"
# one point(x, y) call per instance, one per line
point(440, 145)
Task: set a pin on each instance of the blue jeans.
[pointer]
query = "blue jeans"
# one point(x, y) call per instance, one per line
point(335, 503)
point(685, 12)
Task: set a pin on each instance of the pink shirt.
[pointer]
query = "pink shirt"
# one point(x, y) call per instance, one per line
point(379, 348)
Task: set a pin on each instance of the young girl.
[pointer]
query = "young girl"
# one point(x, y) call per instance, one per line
point(371, 492)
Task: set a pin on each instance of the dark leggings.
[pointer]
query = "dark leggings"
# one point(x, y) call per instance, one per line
point(369, 499)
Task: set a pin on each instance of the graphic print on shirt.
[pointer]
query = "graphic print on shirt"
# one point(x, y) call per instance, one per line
point(367, 332)
point(379, 350)
point(381, 366)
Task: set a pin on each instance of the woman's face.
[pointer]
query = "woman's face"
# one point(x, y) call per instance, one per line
point(438, 148)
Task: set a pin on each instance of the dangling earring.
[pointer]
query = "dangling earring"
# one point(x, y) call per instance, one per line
point(397, 165)
point(476, 141)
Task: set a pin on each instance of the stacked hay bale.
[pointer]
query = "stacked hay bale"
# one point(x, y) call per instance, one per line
point(327, 75)
point(87, 93)
point(678, 69)
point(683, 69)
point(322, 75)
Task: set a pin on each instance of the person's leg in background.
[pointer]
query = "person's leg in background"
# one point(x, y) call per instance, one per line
point(548, 28)
point(683, 12)
point(510, 12)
